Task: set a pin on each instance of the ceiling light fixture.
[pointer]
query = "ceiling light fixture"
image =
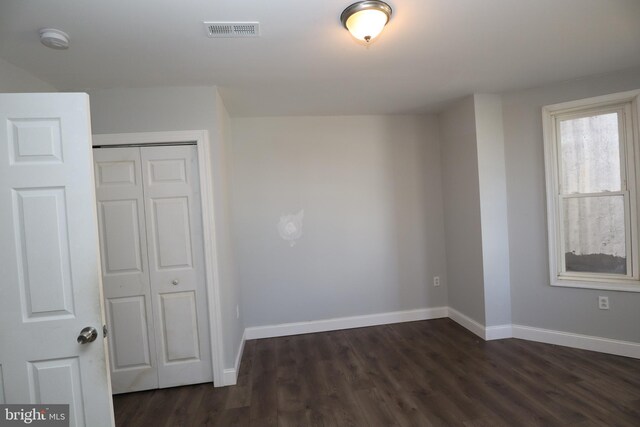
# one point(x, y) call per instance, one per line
point(55, 39)
point(366, 19)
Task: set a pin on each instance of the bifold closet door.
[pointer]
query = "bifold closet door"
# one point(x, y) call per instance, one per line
point(153, 266)
point(176, 264)
point(125, 272)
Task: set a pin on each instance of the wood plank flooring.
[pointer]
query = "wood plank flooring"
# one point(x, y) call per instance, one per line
point(429, 373)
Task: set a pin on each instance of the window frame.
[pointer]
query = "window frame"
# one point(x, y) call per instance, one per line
point(626, 105)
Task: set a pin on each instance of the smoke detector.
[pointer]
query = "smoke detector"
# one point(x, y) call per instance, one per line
point(232, 29)
point(55, 39)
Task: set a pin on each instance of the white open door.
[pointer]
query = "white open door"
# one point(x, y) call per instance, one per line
point(49, 260)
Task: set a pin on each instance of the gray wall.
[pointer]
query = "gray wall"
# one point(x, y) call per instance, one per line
point(183, 108)
point(373, 234)
point(493, 209)
point(461, 193)
point(534, 301)
point(231, 293)
point(15, 79)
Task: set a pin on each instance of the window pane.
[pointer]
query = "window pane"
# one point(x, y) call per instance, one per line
point(590, 154)
point(594, 234)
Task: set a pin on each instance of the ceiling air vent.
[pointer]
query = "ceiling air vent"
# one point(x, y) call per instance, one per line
point(232, 29)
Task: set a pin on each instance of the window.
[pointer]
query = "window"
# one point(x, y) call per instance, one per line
point(591, 157)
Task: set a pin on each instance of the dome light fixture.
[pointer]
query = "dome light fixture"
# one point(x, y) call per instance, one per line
point(53, 38)
point(366, 19)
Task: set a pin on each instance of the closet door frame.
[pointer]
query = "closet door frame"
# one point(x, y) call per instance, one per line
point(212, 282)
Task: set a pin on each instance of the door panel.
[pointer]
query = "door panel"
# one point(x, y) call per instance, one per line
point(176, 254)
point(121, 250)
point(131, 342)
point(49, 259)
point(116, 174)
point(179, 317)
point(43, 253)
point(171, 232)
point(163, 171)
point(58, 381)
point(125, 273)
point(35, 140)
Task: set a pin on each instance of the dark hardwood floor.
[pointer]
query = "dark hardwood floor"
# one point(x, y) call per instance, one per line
point(430, 373)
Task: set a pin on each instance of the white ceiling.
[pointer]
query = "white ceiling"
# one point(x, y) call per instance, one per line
point(432, 51)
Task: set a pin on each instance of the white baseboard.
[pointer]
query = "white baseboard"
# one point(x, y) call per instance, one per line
point(467, 322)
point(230, 376)
point(297, 328)
point(487, 333)
point(585, 342)
point(498, 332)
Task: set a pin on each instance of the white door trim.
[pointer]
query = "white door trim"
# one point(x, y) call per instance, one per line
point(201, 138)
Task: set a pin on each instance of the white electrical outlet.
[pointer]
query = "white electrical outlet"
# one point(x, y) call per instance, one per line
point(436, 281)
point(237, 311)
point(603, 303)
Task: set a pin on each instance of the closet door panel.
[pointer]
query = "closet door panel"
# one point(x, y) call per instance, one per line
point(179, 316)
point(171, 232)
point(130, 343)
point(176, 262)
point(121, 250)
point(127, 293)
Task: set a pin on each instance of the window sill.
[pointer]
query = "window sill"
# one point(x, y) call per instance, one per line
point(629, 285)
